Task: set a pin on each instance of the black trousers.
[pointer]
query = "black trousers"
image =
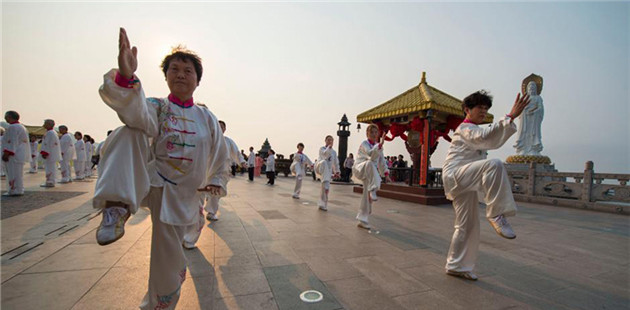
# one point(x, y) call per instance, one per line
point(250, 172)
point(233, 170)
point(271, 175)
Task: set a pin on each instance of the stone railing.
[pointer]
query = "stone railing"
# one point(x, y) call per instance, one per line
point(589, 190)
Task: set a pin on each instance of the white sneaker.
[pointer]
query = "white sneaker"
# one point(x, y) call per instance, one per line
point(323, 208)
point(295, 197)
point(47, 185)
point(373, 195)
point(502, 227)
point(112, 225)
point(188, 245)
point(364, 225)
point(211, 217)
point(468, 275)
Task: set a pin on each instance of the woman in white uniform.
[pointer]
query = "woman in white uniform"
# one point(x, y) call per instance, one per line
point(327, 168)
point(186, 157)
point(369, 168)
point(298, 167)
point(469, 177)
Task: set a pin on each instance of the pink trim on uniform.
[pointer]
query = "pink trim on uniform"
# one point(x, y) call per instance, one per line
point(186, 104)
point(467, 121)
point(123, 81)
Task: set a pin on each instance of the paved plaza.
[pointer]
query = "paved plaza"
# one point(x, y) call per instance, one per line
point(267, 248)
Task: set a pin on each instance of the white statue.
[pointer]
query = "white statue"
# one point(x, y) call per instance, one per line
point(529, 140)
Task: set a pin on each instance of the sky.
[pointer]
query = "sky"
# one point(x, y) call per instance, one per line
point(289, 71)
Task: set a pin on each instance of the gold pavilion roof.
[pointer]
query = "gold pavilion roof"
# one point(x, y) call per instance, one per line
point(416, 101)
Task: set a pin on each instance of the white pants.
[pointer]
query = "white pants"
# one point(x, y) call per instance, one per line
point(66, 174)
point(124, 177)
point(298, 185)
point(123, 171)
point(323, 194)
point(15, 173)
point(3, 168)
point(51, 170)
point(33, 165)
point(167, 269)
point(365, 208)
point(486, 179)
point(87, 169)
point(193, 232)
point(78, 169)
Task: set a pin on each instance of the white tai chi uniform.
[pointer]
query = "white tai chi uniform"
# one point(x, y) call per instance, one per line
point(79, 163)
point(33, 158)
point(51, 147)
point(3, 168)
point(67, 155)
point(327, 164)
point(468, 178)
point(211, 203)
point(298, 167)
point(87, 169)
point(16, 144)
point(369, 168)
point(187, 152)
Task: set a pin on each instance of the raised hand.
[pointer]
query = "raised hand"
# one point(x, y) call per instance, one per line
point(127, 56)
point(519, 105)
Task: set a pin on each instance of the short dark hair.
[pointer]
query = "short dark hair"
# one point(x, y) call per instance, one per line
point(64, 127)
point(109, 132)
point(328, 136)
point(300, 144)
point(477, 98)
point(272, 151)
point(222, 122)
point(183, 54)
point(12, 114)
point(78, 133)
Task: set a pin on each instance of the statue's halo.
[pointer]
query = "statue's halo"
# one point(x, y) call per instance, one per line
point(532, 77)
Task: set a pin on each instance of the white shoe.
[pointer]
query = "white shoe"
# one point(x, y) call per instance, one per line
point(295, 197)
point(112, 225)
point(323, 208)
point(373, 195)
point(64, 181)
point(502, 227)
point(47, 185)
point(364, 225)
point(188, 245)
point(211, 217)
point(468, 275)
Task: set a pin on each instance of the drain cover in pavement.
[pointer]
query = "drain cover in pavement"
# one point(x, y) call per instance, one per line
point(311, 296)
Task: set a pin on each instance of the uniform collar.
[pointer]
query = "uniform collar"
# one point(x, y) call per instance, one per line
point(186, 104)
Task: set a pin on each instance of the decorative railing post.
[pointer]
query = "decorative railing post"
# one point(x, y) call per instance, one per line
point(531, 179)
point(587, 186)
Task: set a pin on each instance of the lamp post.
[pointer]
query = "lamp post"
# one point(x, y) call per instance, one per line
point(343, 133)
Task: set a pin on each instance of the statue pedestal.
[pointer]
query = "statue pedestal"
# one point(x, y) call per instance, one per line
point(522, 163)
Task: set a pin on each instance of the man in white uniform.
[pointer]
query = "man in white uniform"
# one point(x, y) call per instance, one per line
point(67, 154)
point(16, 151)
point(468, 176)
point(50, 152)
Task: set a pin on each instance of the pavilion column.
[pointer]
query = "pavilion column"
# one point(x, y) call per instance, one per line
point(425, 152)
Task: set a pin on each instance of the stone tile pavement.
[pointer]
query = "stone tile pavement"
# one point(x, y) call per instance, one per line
point(267, 247)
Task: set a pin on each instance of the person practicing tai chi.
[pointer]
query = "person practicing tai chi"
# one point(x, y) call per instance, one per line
point(67, 154)
point(469, 177)
point(234, 157)
point(89, 150)
point(186, 158)
point(298, 167)
point(251, 162)
point(211, 203)
point(51, 153)
point(327, 168)
point(80, 162)
point(369, 167)
point(16, 151)
point(270, 165)
point(34, 153)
